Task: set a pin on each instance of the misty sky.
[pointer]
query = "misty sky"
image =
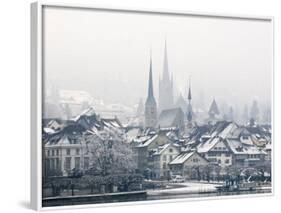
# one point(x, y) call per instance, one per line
point(107, 54)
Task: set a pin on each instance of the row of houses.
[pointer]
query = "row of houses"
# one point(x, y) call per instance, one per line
point(223, 144)
point(66, 144)
point(163, 152)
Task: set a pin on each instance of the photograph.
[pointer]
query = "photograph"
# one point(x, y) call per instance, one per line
point(148, 106)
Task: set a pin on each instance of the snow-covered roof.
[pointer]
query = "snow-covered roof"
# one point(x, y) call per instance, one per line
point(142, 139)
point(61, 141)
point(208, 145)
point(246, 140)
point(132, 134)
point(227, 131)
point(162, 148)
point(180, 159)
point(238, 148)
point(268, 146)
point(147, 142)
point(49, 130)
point(87, 112)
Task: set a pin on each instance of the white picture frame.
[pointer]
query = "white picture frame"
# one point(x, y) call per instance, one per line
point(36, 94)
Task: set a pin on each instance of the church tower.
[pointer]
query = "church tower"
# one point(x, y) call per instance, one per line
point(213, 110)
point(150, 104)
point(189, 111)
point(166, 99)
point(189, 106)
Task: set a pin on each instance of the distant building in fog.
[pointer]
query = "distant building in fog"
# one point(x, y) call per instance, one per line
point(166, 94)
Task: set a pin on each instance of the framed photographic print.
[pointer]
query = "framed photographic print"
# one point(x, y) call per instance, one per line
point(134, 105)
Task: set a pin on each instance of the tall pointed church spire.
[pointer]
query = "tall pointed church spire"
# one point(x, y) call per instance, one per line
point(166, 76)
point(166, 93)
point(189, 106)
point(150, 95)
point(150, 104)
point(189, 90)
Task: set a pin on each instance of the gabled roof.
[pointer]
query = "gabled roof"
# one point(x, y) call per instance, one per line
point(208, 145)
point(183, 157)
point(238, 132)
point(223, 129)
point(238, 148)
point(214, 110)
point(147, 142)
point(162, 148)
point(88, 122)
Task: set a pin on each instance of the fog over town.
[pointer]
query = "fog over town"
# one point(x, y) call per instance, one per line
point(227, 59)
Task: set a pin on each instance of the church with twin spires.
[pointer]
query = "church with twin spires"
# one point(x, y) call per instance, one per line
point(165, 112)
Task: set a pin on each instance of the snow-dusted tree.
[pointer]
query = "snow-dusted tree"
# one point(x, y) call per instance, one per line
point(254, 114)
point(110, 155)
point(112, 162)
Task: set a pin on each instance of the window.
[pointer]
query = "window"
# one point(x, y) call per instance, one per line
point(53, 152)
point(52, 162)
point(195, 160)
point(67, 163)
point(219, 161)
point(58, 152)
point(68, 152)
point(212, 159)
point(77, 151)
point(86, 163)
point(48, 164)
point(48, 153)
point(164, 165)
point(164, 157)
point(170, 150)
point(227, 154)
point(77, 163)
point(171, 157)
point(57, 166)
point(227, 161)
